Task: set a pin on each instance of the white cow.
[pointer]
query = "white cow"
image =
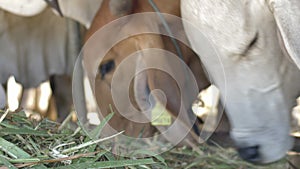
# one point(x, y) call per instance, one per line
point(260, 84)
point(32, 48)
point(34, 42)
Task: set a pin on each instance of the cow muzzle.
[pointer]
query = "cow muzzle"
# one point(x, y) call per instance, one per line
point(262, 147)
point(250, 154)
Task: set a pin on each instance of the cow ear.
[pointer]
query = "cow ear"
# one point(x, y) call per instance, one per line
point(287, 17)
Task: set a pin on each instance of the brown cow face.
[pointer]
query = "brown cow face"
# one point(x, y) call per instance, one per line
point(104, 87)
point(134, 91)
point(129, 95)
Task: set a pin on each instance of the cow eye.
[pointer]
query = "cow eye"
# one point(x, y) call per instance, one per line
point(254, 40)
point(106, 68)
point(251, 44)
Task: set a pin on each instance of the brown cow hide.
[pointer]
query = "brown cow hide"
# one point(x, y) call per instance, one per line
point(131, 94)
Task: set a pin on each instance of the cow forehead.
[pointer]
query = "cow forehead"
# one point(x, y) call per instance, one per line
point(231, 24)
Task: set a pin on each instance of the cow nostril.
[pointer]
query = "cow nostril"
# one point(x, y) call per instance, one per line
point(250, 154)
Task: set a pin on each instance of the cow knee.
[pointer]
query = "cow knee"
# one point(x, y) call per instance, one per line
point(61, 86)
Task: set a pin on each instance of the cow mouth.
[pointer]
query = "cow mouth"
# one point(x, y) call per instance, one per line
point(151, 103)
point(148, 100)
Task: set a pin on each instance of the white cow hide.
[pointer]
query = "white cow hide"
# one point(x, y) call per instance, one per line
point(260, 84)
point(23, 7)
point(82, 11)
point(32, 48)
point(2, 97)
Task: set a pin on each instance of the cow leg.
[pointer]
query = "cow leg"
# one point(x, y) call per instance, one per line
point(14, 93)
point(61, 86)
point(2, 97)
point(43, 93)
point(28, 100)
point(52, 110)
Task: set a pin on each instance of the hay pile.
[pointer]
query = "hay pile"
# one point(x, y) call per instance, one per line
point(25, 143)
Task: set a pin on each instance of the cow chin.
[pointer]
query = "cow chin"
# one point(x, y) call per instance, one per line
point(262, 147)
point(260, 121)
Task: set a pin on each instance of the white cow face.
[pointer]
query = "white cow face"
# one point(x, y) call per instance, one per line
point(260, 84)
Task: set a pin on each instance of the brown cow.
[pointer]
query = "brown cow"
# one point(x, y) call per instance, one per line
point(150, 79)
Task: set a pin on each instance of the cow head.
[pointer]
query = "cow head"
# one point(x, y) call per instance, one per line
point(137, 95)
point(260, 84)
point(148, 87)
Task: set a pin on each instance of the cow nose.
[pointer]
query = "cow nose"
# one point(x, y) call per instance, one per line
point(250, 154)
